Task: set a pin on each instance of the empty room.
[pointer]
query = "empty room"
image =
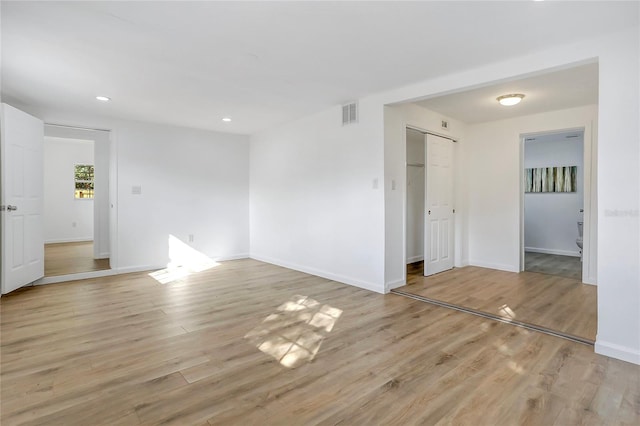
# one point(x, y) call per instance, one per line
point(320, 213)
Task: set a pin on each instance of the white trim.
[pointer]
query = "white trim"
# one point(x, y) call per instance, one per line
point(618, 351)
point(75, 277)
point(498, 266)
point(120, 271)
point(415, 259)
point(230, 257)
point(139, 268)
point(69, 240)
point(102, 256)
point(552, 251)
point(394, 284)
point(324, 274)
point(589, 280)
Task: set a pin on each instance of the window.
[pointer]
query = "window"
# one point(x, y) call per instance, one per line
point(84, 181)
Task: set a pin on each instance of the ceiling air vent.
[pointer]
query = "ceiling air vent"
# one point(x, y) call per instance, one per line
point(349, 113)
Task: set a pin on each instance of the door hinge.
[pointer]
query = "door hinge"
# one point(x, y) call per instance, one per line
point(454, 210)
point(3, 208)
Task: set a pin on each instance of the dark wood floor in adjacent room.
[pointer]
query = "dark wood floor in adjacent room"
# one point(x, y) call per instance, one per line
point(251, 343)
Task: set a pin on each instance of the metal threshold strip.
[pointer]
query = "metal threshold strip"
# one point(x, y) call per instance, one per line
point(526, 325)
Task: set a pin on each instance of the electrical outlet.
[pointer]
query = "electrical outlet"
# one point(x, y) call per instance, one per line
point(74, 224)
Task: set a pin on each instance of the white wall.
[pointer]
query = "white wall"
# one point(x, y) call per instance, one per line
point(192, 182)
point(415, 196)
point(396, 120)
point(617, 158)
point(66, 219)
point(101, 206)
point(550, 219)
point(314, 163)
point(495, 192)
point(316, 192)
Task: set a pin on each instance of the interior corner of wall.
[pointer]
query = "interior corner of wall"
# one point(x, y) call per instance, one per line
point(394, 284)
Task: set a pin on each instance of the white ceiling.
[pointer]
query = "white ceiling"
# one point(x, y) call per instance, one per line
point(263, 63)
point(548, 92)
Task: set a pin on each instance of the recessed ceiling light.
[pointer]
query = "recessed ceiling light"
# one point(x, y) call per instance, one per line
point(103, 98)
point(226, 119)
point(510, 100)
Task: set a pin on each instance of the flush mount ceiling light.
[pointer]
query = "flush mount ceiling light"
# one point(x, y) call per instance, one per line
point(226, 119)
point(103, 98)
point(510, 100)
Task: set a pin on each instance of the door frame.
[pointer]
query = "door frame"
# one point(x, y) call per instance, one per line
point(407, 126)
point(589, 249)
point(111, 151)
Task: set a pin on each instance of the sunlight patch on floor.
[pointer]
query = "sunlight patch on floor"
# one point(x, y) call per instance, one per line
point(293, 334)
point(184, 260)
point(506, 312)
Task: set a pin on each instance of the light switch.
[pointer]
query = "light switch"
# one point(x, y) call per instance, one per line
point(375, 183)
point(393, 184)
point(136, 190)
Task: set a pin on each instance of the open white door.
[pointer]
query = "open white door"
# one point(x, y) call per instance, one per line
point(21, 140)
point(438, 229)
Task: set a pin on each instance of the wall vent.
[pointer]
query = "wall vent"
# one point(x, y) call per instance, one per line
point(444, 124)
point(349, 113)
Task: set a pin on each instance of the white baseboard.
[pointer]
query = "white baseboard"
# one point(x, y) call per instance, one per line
point(75, 277)
point(324, 274)
point(139, 268)
point(69, 240)
point(415, 259)
point(498, 266)
point(618, 351)
point(551, 251)
point(394, 284)
point(119, 271)
point(103, 255)
point(230, 257)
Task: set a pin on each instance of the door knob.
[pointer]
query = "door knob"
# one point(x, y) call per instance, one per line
point(12, 208)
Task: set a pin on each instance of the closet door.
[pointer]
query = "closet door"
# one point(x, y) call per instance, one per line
point(438, 229)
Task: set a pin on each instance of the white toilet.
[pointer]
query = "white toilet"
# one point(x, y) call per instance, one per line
point(579, 239)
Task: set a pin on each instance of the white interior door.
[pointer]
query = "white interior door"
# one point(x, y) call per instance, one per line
point(22, 139)
point(438, 229)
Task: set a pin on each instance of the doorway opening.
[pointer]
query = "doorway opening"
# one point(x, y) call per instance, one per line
point(415, 203)
point(554, 202)
point(429, 208)
point(76, 200)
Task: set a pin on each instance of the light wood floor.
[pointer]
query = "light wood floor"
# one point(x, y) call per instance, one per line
point(558, 303)
point(71, 258)
point(552, 264)
point(216, 347)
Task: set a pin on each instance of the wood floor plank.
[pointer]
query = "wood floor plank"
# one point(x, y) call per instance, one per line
point(131, 350)
point(71, 258)
point(555, 302)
